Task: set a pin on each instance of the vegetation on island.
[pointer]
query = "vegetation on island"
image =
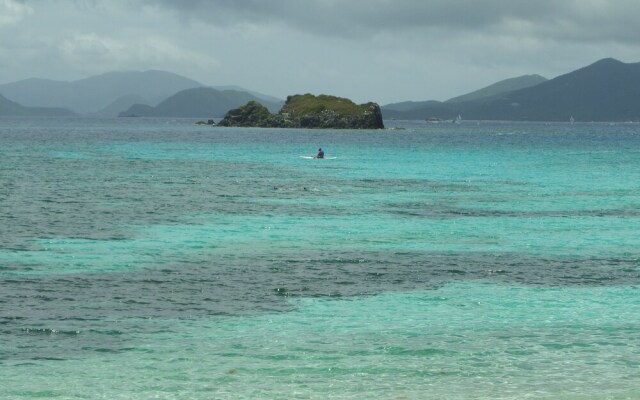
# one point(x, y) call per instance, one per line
point(308, 111)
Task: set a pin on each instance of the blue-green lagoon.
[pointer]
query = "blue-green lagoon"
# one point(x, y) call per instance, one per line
point(144, 258)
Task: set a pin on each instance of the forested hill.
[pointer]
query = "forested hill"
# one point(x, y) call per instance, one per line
point(607, 90)
point(10, 108)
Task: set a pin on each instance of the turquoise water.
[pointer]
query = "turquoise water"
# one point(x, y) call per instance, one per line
point(148, 258)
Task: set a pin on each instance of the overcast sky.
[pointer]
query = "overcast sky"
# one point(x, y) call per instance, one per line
point(367, 50)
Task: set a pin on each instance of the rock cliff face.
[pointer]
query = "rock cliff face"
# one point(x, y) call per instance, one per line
point(308, 111)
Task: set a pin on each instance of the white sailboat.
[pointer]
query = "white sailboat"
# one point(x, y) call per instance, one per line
point(571, 120)
point(458, 119)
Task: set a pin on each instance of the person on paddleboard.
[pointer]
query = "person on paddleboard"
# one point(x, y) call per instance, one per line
point(320, 153)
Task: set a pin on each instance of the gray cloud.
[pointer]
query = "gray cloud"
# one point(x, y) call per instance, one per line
point(381, 50)
point(577, 20)
point(12, 12)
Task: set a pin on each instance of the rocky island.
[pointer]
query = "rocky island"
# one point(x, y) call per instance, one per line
point(308, 111)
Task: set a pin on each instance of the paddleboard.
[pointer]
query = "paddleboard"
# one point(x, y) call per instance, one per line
point(313, 158)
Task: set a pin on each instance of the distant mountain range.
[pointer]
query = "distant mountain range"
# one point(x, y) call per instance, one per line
point(608, 90)
point(200, 102)
point(416, 109)
point(109, 94)
point(96, 93)
point(13, 109)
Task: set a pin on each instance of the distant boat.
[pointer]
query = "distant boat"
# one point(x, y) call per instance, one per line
point(458, 119)
point(571, 120)
point(433, 120)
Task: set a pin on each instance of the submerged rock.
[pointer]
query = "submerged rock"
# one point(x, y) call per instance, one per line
point(308, 111)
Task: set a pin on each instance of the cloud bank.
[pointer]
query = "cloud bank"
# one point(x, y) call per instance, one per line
point(380, 50)
point(561, 20)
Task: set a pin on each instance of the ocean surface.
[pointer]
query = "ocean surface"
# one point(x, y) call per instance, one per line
point(158, 259)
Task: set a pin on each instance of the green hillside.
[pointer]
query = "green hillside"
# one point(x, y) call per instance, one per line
point(449, 109)
point(498, 88)
point(607, 90)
